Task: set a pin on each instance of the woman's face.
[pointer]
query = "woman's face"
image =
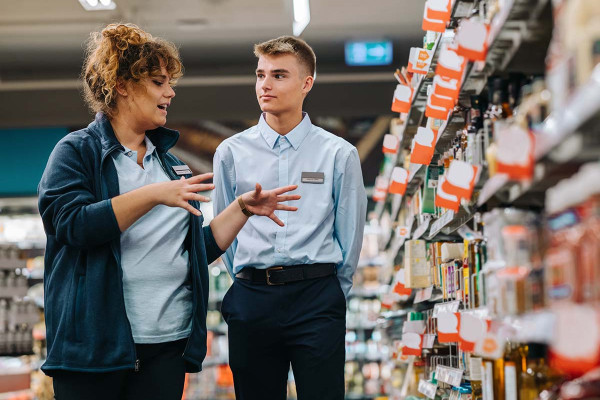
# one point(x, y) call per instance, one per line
point(148, 100)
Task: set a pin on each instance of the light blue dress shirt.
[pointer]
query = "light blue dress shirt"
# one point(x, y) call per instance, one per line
point(328, 226)
point(156, 280)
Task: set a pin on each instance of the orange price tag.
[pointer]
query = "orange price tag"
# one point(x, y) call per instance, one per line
point(450, 64)
point(461, 179)
point(472, 330)
point(472, 39)
point(446, 200)
point(391, 144)
point(448, 327)
point(412, 344)
point(423, 146)
point(402, 99)
point(399, 181)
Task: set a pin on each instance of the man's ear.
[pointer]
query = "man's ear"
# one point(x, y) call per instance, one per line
point(308, 84)
point(121, 87)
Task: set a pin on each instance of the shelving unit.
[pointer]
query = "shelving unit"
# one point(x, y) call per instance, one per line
point(567, 136)
point(565, 141)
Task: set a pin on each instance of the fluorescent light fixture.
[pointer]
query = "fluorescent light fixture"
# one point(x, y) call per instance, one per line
point(98, 5)
point(301, 16)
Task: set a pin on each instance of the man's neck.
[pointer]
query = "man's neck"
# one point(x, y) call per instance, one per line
point(284, 123)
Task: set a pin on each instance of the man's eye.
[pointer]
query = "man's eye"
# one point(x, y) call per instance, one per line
point(279, 76)
point(259, 75)
point(158, 83)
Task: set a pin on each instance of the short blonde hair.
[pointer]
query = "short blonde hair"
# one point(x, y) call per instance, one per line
point(289, 45)
point(124, 51)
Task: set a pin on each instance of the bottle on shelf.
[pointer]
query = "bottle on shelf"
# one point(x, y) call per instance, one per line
point(537, 376)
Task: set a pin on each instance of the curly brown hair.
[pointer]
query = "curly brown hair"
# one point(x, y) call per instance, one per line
point(124, 51)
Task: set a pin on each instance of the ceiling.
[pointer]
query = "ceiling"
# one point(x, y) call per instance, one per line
point(42, 41)
point(208, 31)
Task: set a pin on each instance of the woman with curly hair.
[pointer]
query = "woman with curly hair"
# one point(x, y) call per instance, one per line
point(126, 280)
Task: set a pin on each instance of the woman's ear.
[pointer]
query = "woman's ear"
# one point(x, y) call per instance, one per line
point(121, 87)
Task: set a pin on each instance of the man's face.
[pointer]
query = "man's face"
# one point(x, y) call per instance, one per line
point(282, 83)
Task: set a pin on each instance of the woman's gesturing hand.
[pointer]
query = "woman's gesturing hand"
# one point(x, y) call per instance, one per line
point(178, 193)
point(265, 202)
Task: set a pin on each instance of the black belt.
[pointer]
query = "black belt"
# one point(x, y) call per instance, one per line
point(279, 275)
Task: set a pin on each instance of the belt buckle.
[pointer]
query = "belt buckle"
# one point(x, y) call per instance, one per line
point(269, 275)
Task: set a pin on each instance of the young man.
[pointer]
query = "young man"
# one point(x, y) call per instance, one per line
point(287, 303)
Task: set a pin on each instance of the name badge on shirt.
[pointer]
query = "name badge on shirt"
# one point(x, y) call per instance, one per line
point(182, 170)
point(313, 177)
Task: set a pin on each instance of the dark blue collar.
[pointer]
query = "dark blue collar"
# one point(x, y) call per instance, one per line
point(162, 138)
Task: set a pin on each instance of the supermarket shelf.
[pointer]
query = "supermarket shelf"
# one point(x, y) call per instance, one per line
point(368, 293)
point(395, 314)
point(350, 396)
point(12, 263)
point(415, 116)
point(364, 326)
point(450, 222)
point(416, 175)
point(583, 106)
point(422, 228)
point(364, 358)
point(568, 135)
point(511, 30)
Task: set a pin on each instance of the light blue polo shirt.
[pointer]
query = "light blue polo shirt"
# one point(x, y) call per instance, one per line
point(156, 276)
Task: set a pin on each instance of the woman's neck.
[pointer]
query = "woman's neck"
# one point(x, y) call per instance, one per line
point(127, 133)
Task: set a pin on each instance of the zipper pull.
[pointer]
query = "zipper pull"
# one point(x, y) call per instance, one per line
point(137, 365)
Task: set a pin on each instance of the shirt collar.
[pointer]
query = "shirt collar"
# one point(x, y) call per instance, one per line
point(150, 147)
point(295, 136)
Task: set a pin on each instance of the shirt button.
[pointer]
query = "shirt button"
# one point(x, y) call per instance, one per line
point(129, 153)
point(279, 250)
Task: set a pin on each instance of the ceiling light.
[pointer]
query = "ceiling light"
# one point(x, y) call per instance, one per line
point(301, 16)
point(95, 5)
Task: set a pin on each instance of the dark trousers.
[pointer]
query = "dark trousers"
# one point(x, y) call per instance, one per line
point(161, 376)
point(270, 327)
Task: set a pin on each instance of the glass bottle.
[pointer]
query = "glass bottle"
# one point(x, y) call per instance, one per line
point(537, 376)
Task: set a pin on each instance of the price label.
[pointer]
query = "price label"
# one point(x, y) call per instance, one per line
point(441, 222)
point(449, 307)
point(449, 375)
point(427, 388)
point(475, 369)
point(422, 228)
point(414, 327)
point(428, 341)
point(423, 294)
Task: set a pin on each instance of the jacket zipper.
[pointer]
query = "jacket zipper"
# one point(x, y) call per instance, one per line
point(193, 238)
point(136, 364)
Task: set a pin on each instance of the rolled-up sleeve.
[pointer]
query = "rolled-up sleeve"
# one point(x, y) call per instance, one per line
point(67, 203)
point(350, 216)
